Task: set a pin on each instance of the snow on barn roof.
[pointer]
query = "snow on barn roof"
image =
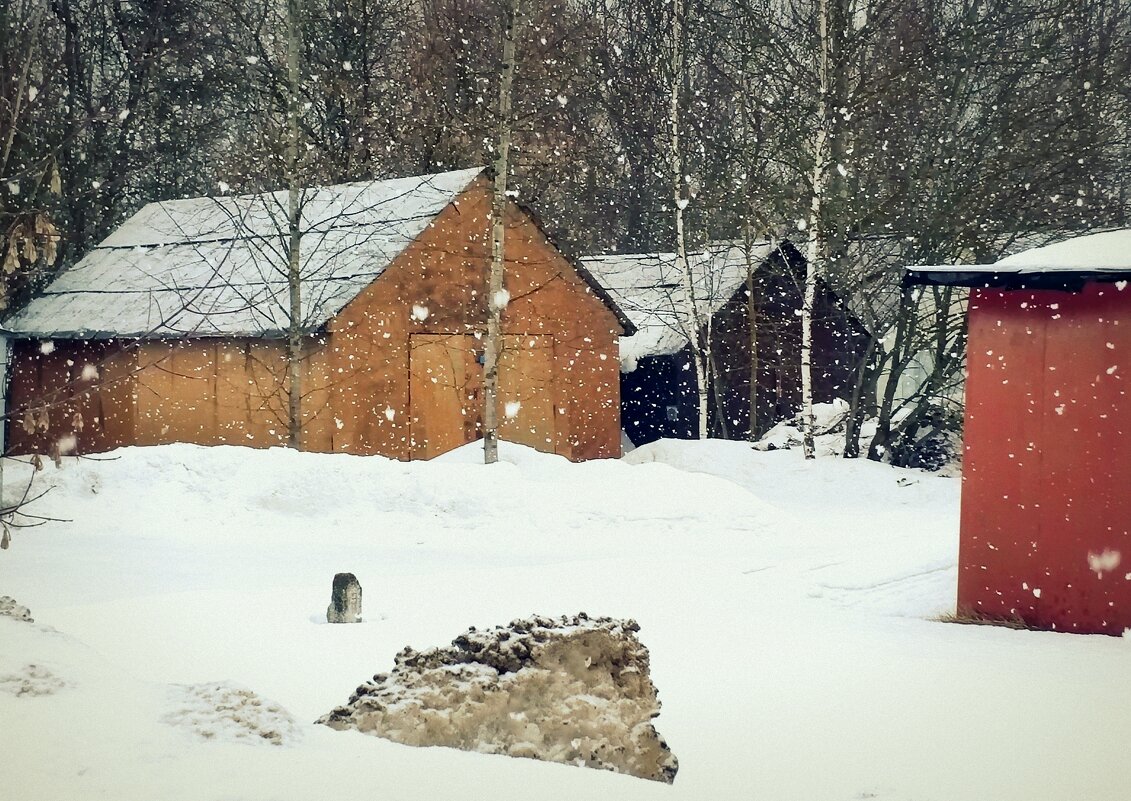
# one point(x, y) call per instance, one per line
point(1096, 257)
point(218, 266)
point(652, 292)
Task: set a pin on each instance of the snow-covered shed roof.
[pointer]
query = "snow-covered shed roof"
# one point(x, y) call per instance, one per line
point(218, 267)
point(1096, 257)
point(652, 292)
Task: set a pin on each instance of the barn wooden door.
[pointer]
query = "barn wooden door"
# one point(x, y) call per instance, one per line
point(446, 392)
point(442, 368)
point(526, 391)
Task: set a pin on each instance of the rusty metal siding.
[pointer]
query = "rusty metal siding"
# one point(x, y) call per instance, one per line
point(1046, 511)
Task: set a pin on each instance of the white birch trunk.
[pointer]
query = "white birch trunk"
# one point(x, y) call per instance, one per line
point(294, 232)
point(4, 350)
point(815, 256)
point(691, 312)
point(496, 300)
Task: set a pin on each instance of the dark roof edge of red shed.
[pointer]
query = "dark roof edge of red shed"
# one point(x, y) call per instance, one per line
point(1000, 276)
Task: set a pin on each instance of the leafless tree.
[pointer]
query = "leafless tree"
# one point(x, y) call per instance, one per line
point(496, 293)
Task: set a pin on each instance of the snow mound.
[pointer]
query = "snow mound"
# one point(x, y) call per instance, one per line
point(574, 690)
point(31, 680)
point(9, 608)
point(828, 426)
point(509, 453)
point(1110, 250)
point(224, 711)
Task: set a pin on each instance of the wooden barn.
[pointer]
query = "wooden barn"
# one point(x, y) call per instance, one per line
point(658, 384)
point(173, 330)
point(1046, 512)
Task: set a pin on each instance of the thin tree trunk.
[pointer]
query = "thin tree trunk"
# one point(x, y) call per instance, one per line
point(294, 231)
point(901, 355)
point(20, 90)
point(752, 321)
point(496, 297)
point(816, 232)
point(719, 391)
point(682, 267)
point(864, 382)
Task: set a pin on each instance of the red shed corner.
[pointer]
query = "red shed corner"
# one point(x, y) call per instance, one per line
point(1046, 494)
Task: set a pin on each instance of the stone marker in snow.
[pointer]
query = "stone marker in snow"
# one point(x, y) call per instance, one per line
point(573, 689)
point(345, 600)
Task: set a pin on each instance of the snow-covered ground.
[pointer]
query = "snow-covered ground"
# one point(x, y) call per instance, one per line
point(180, 649)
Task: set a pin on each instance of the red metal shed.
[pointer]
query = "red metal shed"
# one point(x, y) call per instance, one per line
point(1046, 494)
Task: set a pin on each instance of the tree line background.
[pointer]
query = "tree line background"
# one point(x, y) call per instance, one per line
point(945, 131)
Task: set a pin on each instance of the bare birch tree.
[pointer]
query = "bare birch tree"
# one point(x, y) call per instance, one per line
point(294, 227)
point(816, 245)
point(496, 294)
point(700, 343)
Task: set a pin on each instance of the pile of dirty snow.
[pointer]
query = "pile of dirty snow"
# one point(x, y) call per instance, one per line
point(574, 690)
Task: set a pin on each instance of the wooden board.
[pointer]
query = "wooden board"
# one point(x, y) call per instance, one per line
point(526, 391)
point(438, 392)
point(445, 392)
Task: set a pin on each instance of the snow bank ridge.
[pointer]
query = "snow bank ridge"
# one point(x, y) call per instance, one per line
point(9, 608)
point(574, 690)
point(224, 711)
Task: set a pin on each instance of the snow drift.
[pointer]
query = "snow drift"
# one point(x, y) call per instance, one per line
point(574, 690)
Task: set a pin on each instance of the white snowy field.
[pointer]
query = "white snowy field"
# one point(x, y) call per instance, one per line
point(788, 609)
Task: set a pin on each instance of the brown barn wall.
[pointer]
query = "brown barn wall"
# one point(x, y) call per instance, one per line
point(444, 272)
point(70, 388)
point(226, 392)
point(838, 346)
point(559, 368)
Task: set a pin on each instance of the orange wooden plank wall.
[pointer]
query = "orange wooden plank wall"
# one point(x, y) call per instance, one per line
point(442, 275)
point(559, 374)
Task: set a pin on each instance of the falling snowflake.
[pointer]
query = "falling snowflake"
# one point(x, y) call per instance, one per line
point(511, 409)
point(419, 313)
point(89, 372)
point(46, 347)
point(1105, 562)
point(390, 413)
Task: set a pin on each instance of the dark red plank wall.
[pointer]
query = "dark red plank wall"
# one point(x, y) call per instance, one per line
point(1046, 499)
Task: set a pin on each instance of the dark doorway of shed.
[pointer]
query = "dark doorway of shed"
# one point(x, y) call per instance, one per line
point(446, 392)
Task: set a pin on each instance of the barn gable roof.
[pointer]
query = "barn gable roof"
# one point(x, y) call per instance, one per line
point(652, 292)
point(1066, 264)
point(217, 266)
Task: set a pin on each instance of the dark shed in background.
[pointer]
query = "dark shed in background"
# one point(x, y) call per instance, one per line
point(658, 384)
